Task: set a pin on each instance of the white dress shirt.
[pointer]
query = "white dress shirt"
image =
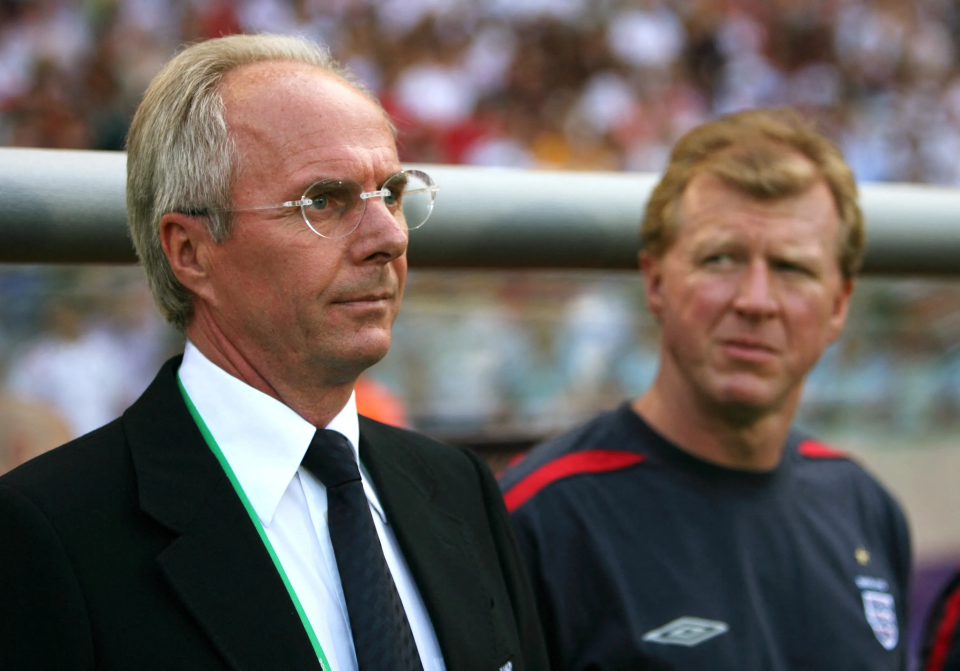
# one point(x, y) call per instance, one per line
point(264, 442)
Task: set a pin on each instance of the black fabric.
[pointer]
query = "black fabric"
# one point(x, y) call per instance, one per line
point(381, 632)
point(129, 549)
point(786, 560)
point(936, 631)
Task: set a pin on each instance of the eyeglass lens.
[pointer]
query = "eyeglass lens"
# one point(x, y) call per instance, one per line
point(335, 207)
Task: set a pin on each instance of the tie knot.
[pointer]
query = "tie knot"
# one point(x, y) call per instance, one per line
point(330, 458)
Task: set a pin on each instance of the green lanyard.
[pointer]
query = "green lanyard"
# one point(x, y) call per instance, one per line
point(212, 444)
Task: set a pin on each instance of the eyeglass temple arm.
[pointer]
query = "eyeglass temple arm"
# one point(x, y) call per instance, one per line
point(382, 193)
point(308, 201)
point(431, 189)
point(289, 203)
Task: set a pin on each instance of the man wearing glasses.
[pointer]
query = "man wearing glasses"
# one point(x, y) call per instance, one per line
point(240, 515)
point(695, 527)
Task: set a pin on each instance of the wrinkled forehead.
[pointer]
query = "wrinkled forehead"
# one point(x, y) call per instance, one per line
point(712, 208)
point(284, 104)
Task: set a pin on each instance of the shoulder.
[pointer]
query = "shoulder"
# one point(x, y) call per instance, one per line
point(832, 470)
point(407, 445)
point(827, 468)
point(76, 471)
point(380, 432)
point(608, 442)
point(92, 481)
point(53, 505)
point(844, 486)
point(456, 470)
point(58, 501)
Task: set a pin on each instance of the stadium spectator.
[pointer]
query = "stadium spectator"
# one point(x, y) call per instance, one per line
point(539, 83)
point(695, 528)
point(581, 84)
point(73, 370)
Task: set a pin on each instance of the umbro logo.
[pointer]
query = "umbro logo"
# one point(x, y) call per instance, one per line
point(686, 631)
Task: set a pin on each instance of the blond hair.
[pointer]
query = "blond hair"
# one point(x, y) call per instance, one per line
point(767, 154)
point(180, 156)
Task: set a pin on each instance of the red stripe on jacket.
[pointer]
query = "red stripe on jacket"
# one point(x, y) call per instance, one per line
point(588, 461)
point(817, 450)
point(945, 633)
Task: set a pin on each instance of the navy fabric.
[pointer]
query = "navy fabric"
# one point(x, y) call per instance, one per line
point(381, 631)
point(775, 571)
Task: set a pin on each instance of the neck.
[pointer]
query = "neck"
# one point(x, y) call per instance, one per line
point(314, 400)
point(728, 439)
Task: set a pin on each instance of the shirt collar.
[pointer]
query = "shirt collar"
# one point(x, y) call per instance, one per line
point(261, 438)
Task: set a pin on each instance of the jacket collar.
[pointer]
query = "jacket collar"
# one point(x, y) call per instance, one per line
point(218, 566)
point(424, 505)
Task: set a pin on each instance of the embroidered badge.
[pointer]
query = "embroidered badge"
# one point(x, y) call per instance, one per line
point(686, 631)
point(880, 609)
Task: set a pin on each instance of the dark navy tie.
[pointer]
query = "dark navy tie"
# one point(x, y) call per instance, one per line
point(381, 632)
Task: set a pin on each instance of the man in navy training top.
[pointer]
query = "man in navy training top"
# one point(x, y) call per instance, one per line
point(695, 528)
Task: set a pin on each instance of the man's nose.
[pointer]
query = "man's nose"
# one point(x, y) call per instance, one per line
point(756, 294)
point(380, 236)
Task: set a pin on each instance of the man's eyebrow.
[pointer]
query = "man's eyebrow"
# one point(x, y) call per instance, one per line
point(712, 241)
point(400, 176)
point(797, 254)
point(789, 251)
point(306, 184)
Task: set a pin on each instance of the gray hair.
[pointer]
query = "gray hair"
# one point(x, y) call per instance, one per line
point(180, 156)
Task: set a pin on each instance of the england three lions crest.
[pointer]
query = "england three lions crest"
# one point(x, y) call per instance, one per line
point(880, 609)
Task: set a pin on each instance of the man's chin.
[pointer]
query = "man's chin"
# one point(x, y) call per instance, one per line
point(746, 404)
point(345, 367)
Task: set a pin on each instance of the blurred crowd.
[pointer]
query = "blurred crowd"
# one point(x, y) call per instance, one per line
point(556, 84)
point(532, 353)
point(598, 84)
point(504, 356)
point(77, 346)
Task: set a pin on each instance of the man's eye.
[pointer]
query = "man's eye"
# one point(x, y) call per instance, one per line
point(718, 260)
point(393, 197)
point(789, 267)
point(332, 197)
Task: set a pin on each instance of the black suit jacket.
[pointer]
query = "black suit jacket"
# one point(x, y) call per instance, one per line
point(129, 549)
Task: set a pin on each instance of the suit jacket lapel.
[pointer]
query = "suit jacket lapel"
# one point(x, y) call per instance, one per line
point(423, 515)
point(218, 566)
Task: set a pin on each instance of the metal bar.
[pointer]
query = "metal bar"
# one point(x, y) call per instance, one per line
point(60, 206)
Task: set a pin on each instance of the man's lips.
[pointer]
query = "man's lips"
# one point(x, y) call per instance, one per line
point(367, 299)
point(748, 348)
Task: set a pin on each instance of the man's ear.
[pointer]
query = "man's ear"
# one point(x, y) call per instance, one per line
point(841, 304)
point(651, 268)
point(187, 244)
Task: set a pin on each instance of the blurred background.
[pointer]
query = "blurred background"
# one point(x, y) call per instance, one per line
point(497, 360)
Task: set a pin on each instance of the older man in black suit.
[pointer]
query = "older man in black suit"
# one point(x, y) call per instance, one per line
point(240, 515)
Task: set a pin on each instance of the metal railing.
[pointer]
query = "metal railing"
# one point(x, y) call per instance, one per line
point(59, 206)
